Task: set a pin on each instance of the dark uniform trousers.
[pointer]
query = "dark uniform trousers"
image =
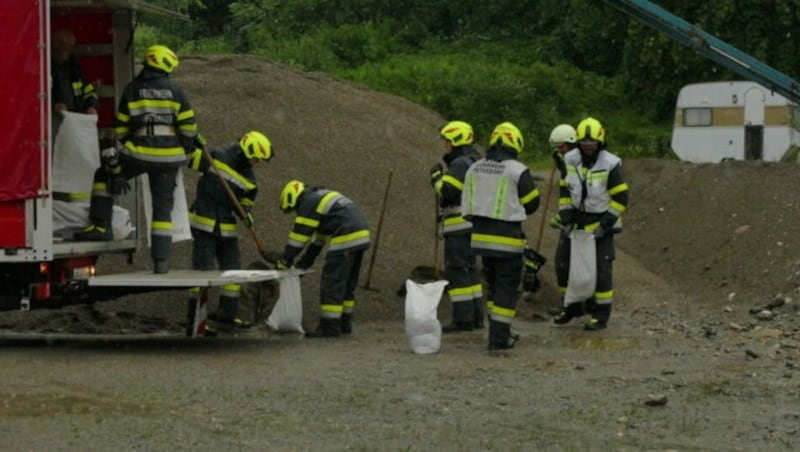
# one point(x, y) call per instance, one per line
point(503, 277)
point(162, 184)
point(211, 251)
point(461, 273)
point(339, 282)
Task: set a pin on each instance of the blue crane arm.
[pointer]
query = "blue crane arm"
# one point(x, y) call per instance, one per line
point(709, 46)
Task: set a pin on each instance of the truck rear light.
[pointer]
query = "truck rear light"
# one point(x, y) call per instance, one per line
point(84, 272)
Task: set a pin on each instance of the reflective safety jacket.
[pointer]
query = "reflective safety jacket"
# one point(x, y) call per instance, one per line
point(594, 193)
point(212, 210)
point(326, 217)
point(499, 193)
point(449, 189)
point(154, 120)
point(71, 88)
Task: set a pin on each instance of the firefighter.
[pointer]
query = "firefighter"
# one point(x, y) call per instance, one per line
point(323, 217)
point(70, 91)
point(464, 288)
point(499, 193)
point(593, 196)
point(155, 128)
point(212, 216)
point(563, 139)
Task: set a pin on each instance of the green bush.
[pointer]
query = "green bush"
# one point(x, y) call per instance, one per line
point(479, 79)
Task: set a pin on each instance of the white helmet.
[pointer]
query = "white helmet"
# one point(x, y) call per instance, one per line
point(563, 133)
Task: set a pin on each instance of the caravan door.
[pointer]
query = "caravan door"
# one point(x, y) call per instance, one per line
point(754, 104)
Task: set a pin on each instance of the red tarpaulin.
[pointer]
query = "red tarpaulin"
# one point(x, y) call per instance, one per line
point(23, 78)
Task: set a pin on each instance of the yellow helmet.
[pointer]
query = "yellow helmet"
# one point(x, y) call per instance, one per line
point(457, 133)
point(590, 129)
point(508, 135)
point(562, 133)
point(290, 193)
point(256, 146)
point(161, 57)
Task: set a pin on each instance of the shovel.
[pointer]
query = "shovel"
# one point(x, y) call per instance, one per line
point(378, 235)
point(235, 201)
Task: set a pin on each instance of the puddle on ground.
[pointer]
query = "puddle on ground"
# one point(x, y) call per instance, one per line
point(603, 343)
point(52, 404)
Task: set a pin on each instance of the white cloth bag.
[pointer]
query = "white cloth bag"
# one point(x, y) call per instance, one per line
point(76, 153)
point(582, 267)
point(422, 327)
point(287, 314)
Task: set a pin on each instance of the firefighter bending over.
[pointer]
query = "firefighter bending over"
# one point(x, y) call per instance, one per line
point(327, 217)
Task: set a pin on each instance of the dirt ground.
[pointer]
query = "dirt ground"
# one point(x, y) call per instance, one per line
point(702, 352)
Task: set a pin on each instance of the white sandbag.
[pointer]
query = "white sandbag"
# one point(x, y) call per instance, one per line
point(71, 217)
point(422, 327)
point(76, 153)
point(287, 314)
point(582, 267)
point(180, 210)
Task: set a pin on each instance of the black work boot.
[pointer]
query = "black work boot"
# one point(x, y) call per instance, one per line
point(456, 327)
point(347, 323)
point(327, 328)
point(95, 233)
point(568, 313)
point(234, 323)
point(599, 320)
point(500, 337)
point(160, 266)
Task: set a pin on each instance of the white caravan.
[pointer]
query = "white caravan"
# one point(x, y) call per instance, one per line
point(738, 120)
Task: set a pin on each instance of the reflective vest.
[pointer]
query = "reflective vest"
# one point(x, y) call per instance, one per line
point(490, 190)
point(597, 198)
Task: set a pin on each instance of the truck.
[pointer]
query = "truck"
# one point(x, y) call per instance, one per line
point(746, 120)
point(738, 120)
point(41, 265)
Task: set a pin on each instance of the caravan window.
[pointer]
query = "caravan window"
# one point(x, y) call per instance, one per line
point(795, 122)
point(696, 117)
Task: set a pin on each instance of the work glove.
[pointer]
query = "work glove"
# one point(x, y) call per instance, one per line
point(608, 221)
point(437, 171)
point(567, 217)
point(282, 264)
point(555, 222)
point(558, 160)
